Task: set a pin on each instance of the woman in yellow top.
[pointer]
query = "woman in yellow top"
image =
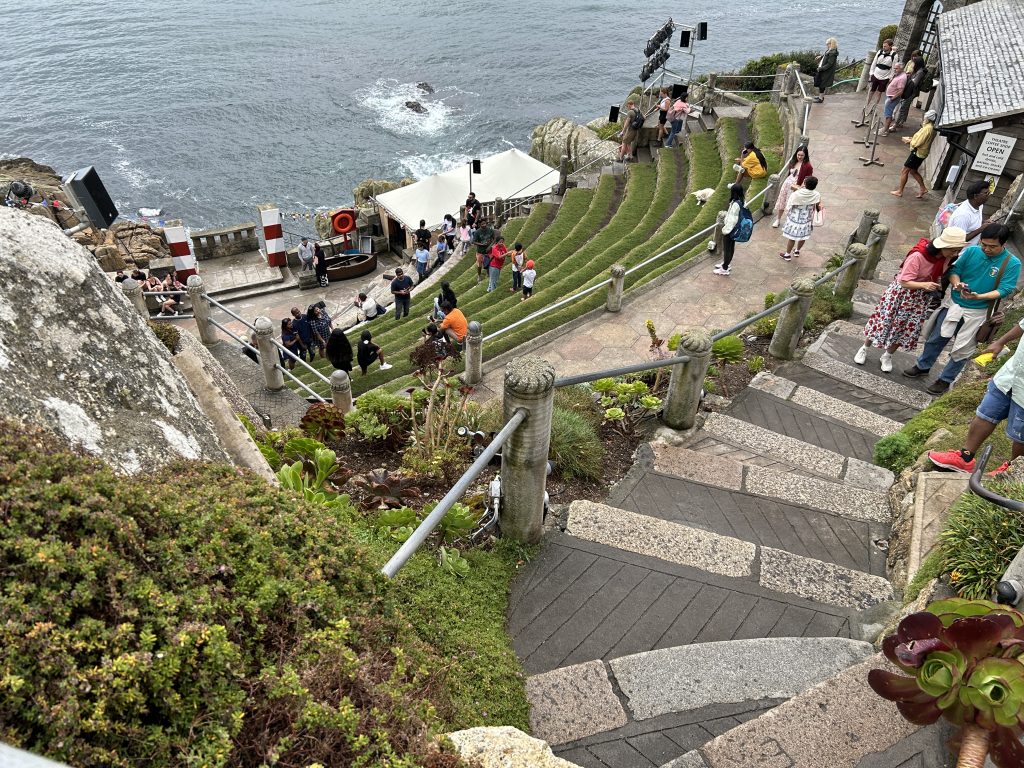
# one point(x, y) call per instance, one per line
point(751, 164)
point(920, 144)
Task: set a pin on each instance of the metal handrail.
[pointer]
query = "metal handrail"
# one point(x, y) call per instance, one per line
point(165, 293)
point(298, 381)
point(835, 272)
point(980, 490)
point(415, 541)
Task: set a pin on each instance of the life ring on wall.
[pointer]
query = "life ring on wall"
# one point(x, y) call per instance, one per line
point(344, 221)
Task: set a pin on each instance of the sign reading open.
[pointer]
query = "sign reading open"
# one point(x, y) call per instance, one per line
point(994, 152)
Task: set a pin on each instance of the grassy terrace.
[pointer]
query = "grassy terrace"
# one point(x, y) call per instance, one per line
point(591, 231)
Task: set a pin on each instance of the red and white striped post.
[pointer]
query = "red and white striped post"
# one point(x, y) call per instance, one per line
point(273, 234)
point(180, 247)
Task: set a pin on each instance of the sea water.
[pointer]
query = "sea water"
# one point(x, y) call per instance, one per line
point(206, 108)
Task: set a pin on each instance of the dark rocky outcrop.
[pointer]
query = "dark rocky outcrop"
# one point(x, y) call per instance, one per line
point(425, 87)
point(416, 107)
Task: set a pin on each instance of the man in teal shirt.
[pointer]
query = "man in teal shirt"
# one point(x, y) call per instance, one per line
point(981, 275)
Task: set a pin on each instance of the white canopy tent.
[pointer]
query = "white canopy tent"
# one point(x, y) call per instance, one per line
point(508, 175)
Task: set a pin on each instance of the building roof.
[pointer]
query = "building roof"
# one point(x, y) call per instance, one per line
point(508, 175)
point(982, 50)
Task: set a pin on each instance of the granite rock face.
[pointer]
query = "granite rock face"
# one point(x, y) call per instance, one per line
point(560, 136)
point(77, 358)
point(505, 747)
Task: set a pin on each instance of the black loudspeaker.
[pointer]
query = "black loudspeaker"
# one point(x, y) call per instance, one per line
point(684, 38)
point(613, 114)
point(679, 91)
point(702, 30)
point(88, 193)
point(476, 167)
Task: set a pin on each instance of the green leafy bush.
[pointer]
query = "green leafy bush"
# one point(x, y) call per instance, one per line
point(580, 400)
point(196, 616)
point(888, 32)
point(895, 452)
point(979, 541)
point(755, 364)
point(168, 335)
point(576, 447)
point(826, 308)
point(728, 350)
point(381, 415)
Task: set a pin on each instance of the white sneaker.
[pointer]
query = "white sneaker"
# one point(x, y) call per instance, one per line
point(885, 362)
point(775, 223)
point(720, 270)
point(385, 366)
point(861, 357)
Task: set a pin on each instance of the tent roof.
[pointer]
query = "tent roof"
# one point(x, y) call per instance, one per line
point(504, 175)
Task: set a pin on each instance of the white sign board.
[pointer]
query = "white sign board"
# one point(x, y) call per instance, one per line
point(993, 153)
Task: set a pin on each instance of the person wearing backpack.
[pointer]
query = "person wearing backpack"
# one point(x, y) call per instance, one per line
point(634, 121)
point(736, 228)
point(900, 314)
point(801, 209)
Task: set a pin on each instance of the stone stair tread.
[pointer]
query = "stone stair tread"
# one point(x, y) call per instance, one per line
point(840, 723)
point(580, 600)
point(910, 393)
point(841, 389)
point(837, 409)
point(769, 522)
point(823, 495)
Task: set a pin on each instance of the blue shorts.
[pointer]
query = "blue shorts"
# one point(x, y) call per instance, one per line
point(891, 104)
point(996, 406)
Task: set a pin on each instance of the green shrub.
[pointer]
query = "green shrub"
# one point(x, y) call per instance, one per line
point(580, 400)
point(576, 448)
point(755, 364)
point(895, 452)
point(197, 616)
point(826, 308)
point(931, 568)
point(609, 131)
point(979, 541)
point(888, 32)
point(770, 300)
point(728, 350)
point(168, 335)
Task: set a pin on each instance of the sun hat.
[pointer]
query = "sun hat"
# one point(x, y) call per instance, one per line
point(931, 116)
point(529, 263)
point(951, 237)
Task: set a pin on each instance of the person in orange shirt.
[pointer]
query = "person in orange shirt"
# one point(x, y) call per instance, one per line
point(454, 326)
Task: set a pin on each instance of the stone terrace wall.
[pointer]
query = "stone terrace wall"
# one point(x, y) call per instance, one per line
point(76, 357)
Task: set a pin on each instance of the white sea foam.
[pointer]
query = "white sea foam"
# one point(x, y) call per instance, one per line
point(386, 99)
point(420, 166)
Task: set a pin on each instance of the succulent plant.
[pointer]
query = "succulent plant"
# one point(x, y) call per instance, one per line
point(728, 350)
point(324, 422)
point(385, 490)
point(964, 658)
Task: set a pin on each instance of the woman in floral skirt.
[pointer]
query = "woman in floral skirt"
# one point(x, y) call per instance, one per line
point(903, 308)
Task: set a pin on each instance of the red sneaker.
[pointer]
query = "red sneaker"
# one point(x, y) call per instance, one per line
point(998, 470)
point(951, 460)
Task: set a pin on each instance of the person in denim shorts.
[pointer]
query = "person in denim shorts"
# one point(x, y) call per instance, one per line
point(1004, 400)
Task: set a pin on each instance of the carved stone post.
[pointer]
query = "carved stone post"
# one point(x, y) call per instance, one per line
point(529, 384)
point(771, 195)
point(865, 72)
point(847, 281)
point(268, 353)
point(201, 309)
point(868, 219)
point(341, 391)
point(563, 174)
point(474, 354)
point(791, 321)
point(499, 212)
point(687, 379)
point(876, 245)
point(133, 290)
point(718, 237)
point(615, 288)
point(787, 81)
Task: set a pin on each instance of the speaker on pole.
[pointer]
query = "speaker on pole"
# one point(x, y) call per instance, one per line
point(476, 167)
point(702, 30)
point(613, 114)
point(684, 38)
point(679, 91)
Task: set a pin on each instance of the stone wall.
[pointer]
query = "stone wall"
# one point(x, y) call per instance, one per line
point(226, 241)
point(77, 358)
point(560, 136)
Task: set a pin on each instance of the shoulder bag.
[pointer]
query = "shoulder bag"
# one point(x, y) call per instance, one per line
point(994, 317)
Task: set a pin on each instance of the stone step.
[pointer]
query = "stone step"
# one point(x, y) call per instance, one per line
point(771, 568)
point(843, 500)
point(576, 709)
point(840, 723)
point(841, 389)
point(864, 377)
point(843, 347)
point(838, 410)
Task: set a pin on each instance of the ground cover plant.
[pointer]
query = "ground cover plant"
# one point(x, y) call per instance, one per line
point(198, 615)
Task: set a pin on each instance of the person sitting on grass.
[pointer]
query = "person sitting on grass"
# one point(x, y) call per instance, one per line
point(1003, 401)
point(434, 339)
point(368, 307)
point(454, 325)
point(751, 164)
point(368, 352)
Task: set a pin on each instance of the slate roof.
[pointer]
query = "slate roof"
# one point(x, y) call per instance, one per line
point(982, 51)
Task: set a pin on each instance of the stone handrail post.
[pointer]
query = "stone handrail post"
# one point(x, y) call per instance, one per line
point(791, 322)
point(268, 353)
point(529, 384)
point(787, 81)
point(868, 219)
point(865, 72)
point(846, 283)
point(474, 354)
point(615, 288)
point(133, 290)
point(563, 174)
point(717, 235)
point(771, 195)
point(709, 92)
point(201, 309)
point(876, 245)
point(687, 379)
point(499, 211)
point(341, 391)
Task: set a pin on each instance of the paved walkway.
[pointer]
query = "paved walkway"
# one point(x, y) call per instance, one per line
point(699, 298)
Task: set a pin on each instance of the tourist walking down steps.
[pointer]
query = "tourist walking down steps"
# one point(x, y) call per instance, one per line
point(732, 220)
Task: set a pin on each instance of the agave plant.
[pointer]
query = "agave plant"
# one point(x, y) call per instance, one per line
point(964, 658)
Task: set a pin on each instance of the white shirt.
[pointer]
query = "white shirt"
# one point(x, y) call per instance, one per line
point(305, 252)
point(422, 255)
point(885, 59)
point(1010, 378)
point(968, 218)
point(529, 275)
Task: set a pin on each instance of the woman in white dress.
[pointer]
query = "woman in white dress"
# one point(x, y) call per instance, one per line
point(799, 168)
point(800, 210)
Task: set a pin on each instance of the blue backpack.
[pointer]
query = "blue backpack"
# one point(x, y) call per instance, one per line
point(744, 227)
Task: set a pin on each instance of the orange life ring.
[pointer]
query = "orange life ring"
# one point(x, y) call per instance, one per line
point(343, 221)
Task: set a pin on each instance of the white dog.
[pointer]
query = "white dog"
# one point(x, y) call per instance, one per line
point(703, 195)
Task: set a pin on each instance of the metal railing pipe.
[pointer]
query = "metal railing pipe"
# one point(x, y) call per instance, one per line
point(586, 378)
point(829, 275)
point(550, 308)
point(301, 383)
point(980, 490)
point(732, 329)
point(239, 339)
point(415, 541)
point(165, 293)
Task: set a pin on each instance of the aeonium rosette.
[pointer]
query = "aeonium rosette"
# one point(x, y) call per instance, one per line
point(965, 660)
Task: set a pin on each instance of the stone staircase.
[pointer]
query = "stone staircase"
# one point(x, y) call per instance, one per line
point(714, 611)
